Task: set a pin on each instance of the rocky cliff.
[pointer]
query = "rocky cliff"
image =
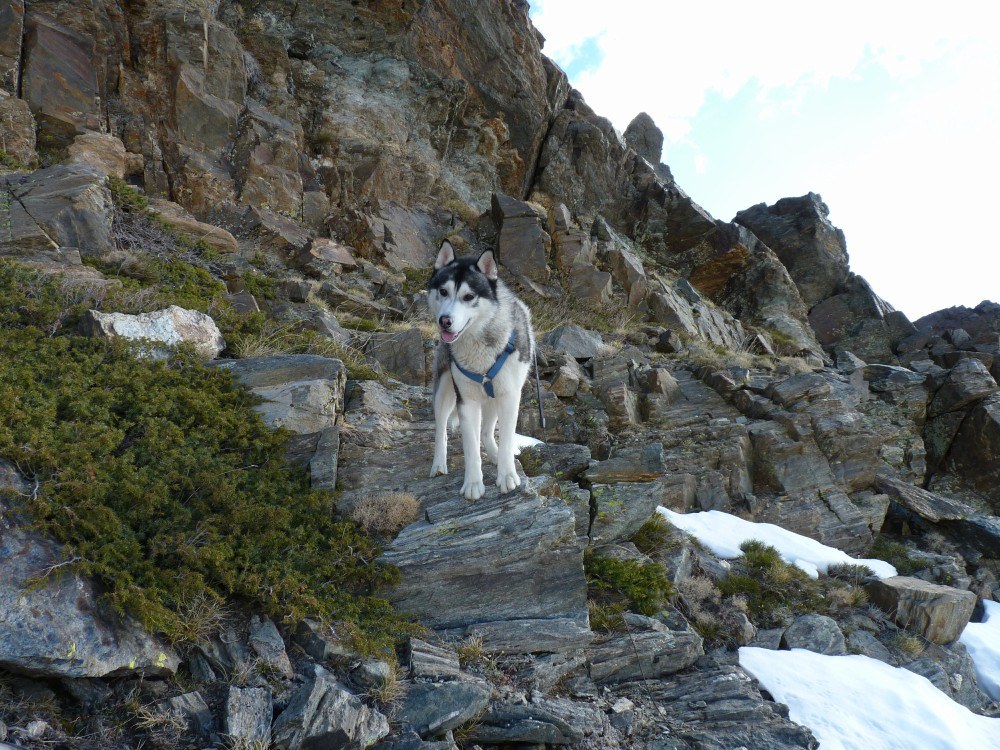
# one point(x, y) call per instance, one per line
point(276, 178)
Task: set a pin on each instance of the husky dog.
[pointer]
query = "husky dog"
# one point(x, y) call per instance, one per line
point(480, 364)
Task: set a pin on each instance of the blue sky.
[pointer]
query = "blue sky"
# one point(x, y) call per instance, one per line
point(891, 112)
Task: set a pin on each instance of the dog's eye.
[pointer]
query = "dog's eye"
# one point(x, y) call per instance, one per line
point(468, 298)
point(444, 292)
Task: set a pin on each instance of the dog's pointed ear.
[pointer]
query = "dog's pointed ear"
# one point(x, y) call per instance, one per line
point(487, 263)
point(445, 255)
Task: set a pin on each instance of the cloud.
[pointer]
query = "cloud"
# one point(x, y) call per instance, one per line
point(665, 58)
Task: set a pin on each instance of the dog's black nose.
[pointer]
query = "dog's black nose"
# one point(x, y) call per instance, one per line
point(445, 321)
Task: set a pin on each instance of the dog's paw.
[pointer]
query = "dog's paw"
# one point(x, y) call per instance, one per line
point(508, 481)
point(473, 489)
point(438, 467)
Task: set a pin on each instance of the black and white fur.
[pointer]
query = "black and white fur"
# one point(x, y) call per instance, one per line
point(475, 313)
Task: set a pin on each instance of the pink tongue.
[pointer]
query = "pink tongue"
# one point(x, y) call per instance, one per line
point(448, 336)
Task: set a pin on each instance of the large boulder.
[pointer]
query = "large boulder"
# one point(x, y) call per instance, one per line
point(522, 242)
point(303, 393)
point(435, 708)
point(323, 713)
point(799, 231)
point(647, 139)
point(969, 381)
point(938, 613)
point(171, 327)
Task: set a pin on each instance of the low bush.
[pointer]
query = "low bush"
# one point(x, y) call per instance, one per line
point(160, 479)
point(627, 584)
point(774, 590)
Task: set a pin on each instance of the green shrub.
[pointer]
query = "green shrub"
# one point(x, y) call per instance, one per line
point(773, 589)
point(160, 479)
point(896, 554)
point(654, 536)
point(641, 587)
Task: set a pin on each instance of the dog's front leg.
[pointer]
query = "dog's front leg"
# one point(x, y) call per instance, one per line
point(507, 409)
point(470, 416)
point(444, 405)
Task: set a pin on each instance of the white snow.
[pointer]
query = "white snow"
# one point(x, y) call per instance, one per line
point(524, 441)
point(723, 534)
point(982, 640)
point(858, 703)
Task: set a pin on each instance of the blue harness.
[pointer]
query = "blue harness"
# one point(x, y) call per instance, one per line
point(487, 379)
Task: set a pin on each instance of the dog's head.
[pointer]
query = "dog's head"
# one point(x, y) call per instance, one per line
point(462, 292)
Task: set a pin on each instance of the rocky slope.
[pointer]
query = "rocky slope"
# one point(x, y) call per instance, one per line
point(301, 162)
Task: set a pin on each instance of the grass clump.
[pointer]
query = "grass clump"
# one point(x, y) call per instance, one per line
point(159, 479)
point(654, 536)
point(387, 513)
point(626, 585)
point(773, 589)
point(896, 554)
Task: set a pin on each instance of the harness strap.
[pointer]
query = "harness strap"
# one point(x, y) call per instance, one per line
point(487, 379)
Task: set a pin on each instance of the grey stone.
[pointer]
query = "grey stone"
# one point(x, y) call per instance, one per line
point(523, 724)
point(434, 708)
point(303, 393)
point(969, 381)
point(649, 650)
point(938, 613)
point(371, 673)
point(559, 460)
point(575, 341)
point(647, 139)
point(402, 354)
point(863, 642)
point(226, 653)
point(266, 641)
point(642, 465)
point(248, 714)
point(621, 509)
point(433, 661)
point(321, 642)
point(173, 326)
point(190, 707)
point(522, 243)
point(323, 713)
point(817, 633)
point(925, 504)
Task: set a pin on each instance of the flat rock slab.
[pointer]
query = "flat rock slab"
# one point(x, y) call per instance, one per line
point(939, 613)
point(648, 650)
point(434, 708)
point(506, 567)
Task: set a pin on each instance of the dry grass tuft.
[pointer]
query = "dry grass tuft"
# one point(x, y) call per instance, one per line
point(471, 651)
point(201, 617)
point(388, 693)
point(386, 513)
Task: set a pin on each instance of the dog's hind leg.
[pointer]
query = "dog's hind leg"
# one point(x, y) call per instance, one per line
point(470, 415)
point(507, 409)
point(489, 440)
point(444, 406)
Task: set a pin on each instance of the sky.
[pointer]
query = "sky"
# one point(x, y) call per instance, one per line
point(889, 110)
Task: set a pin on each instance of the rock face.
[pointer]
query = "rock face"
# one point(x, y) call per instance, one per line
point(171, 327)
point(939, 613)
point(647, 139)
point(55, 214)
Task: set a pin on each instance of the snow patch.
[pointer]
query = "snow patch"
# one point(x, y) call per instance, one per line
point(723, 534)
point(858, 703)
point(982, 640)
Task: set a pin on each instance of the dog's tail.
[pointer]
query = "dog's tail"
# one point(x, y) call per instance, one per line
point(538, 391)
